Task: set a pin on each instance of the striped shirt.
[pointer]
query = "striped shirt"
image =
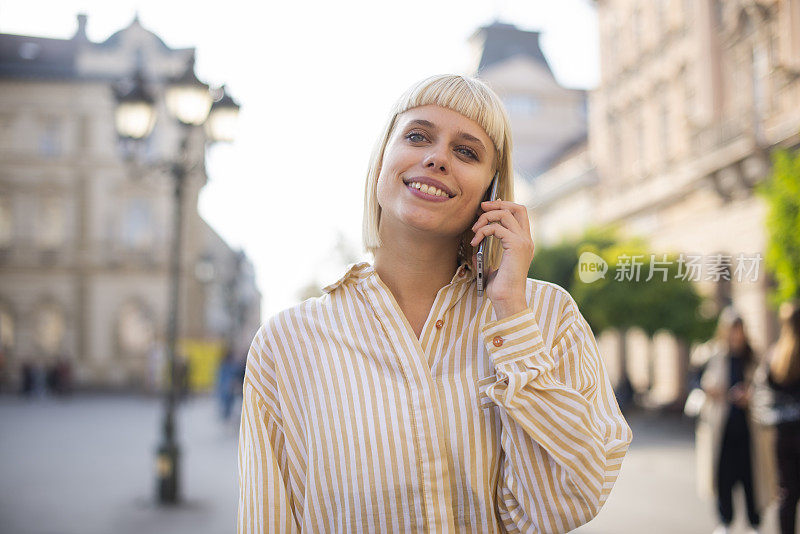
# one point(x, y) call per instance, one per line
point(351, 423)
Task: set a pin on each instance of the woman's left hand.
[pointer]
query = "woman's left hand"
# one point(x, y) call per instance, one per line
point(507, 222)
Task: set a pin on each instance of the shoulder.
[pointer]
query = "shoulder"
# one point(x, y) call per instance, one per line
point(293, 321)
point(277, 341)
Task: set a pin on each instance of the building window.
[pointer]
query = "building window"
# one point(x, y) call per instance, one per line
point(6, 222)
point(6, 330)
point(136, 330)
point(50, 328)
point(759, 73)
point(50, 138)
point(664, 131)
point(718, 14)
point(138, 224)
point(51, 223)
point(616, 148)
point(6, 132)
point(613, 49)
point(638, 139)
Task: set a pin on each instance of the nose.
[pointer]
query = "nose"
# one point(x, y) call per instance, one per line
point(435, 160)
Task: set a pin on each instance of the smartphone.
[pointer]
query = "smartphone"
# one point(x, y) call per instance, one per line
point(483, 247)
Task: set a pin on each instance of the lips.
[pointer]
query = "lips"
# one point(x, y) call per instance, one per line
point(429, 183)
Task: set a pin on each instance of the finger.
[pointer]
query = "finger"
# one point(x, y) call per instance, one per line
point(504, 217)
point(495, 229)
point(519, 211)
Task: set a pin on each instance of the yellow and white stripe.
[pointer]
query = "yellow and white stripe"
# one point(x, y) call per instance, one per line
point(350, 423)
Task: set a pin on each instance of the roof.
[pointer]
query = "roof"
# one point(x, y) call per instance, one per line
point(22, 56)
point(504, 41)
point(115, 39)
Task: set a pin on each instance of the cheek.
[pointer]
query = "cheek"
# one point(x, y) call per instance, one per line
point(386, 186)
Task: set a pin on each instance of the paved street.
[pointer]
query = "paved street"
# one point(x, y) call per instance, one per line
point(85, 466)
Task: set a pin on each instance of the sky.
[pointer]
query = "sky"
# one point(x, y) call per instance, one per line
point(316, 80)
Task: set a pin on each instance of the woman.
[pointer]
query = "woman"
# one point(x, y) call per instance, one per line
point(781, 373)
point(726, 443)
point(401, 401)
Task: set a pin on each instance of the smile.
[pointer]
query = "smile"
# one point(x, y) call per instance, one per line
point(427, 191)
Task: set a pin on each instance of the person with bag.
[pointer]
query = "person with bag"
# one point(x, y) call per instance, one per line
point(728, 445)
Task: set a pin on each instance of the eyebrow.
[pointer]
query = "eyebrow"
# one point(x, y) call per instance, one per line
point(462, 134)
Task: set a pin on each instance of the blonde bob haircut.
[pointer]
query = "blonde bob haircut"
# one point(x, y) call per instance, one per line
point(473, 99)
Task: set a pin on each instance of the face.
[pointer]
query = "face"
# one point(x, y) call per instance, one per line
point(436, 169)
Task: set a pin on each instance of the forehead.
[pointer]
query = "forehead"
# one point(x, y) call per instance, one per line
point(444, 119)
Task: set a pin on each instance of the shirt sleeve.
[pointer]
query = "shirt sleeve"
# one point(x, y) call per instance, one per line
point(264, 499)
point(563, 435)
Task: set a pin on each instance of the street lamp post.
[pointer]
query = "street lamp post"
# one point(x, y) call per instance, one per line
point(190, 103)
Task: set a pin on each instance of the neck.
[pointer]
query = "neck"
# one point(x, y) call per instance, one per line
point(416, 269)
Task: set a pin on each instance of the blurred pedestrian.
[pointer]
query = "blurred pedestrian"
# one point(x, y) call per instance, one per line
point(63, 375)
point(227, 384)
point(182, 377)
point(28, 378)
point(3, 366)
point(52, 380)
point(780, 374)
point(728, 445)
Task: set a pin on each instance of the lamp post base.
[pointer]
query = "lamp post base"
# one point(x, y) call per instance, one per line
point(167, 464)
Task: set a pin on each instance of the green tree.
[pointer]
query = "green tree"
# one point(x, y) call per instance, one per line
point(645, 291)
point(622, 300)
point(557, 263)
point(782, 194)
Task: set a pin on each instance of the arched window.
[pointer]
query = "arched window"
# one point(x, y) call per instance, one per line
point(50, 328)
point(51, 222)
point(6, 330)
point(6, 222)
point(138, 224)
point(135, 328)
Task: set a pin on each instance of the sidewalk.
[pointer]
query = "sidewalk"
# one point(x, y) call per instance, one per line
point(656, 489)
point(86, 466)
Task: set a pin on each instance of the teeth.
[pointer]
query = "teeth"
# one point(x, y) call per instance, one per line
point(425, 188)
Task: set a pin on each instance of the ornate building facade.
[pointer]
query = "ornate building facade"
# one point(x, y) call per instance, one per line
point(693, 97)
point(84, 217)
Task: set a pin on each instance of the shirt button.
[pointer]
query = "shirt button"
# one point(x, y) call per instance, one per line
point(439, 323)
point(462, 272)
point(498, 341)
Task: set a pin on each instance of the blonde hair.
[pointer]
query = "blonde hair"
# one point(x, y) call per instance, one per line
point(473, 99)
point(785, 363)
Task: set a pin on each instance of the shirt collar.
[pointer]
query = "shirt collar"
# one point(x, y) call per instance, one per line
point(361, 270)
point(355, 271)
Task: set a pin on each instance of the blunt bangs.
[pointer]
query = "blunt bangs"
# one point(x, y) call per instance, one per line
point(468, 96)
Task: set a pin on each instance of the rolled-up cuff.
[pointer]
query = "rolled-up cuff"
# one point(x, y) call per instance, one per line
point(513, 338)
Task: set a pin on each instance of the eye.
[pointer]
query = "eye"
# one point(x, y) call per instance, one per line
point(468, 152)
point(416, 137)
